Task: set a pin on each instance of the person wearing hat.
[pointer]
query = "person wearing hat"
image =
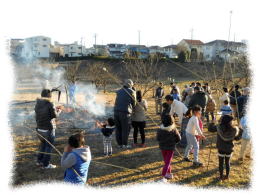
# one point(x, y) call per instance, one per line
point(242, 102)
point(123, 109)
point(158, 98)
point(226, 134)
point(45, 114)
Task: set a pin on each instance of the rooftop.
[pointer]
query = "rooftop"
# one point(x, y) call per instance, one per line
point(224, 43)
point(171, 46)
point(193, 42)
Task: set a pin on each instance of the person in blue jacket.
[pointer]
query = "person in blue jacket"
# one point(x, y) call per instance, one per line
point(76, 159)
point(72, 91)
point(175, 94)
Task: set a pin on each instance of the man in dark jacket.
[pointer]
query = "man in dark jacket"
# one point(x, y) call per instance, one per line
point(158, 98)
point(234, 95)
point(125, 101)
point(45, 119)
point(198, 98)
point(242, 102)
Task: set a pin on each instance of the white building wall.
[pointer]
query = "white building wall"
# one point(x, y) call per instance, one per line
point(73, 50)
point(36, 47)
point(211, 51)
point(170, 52)
point(208, 52)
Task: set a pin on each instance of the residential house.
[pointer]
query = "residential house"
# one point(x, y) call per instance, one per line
point(101, 50)
point(138, 51)
point(36, 47)
point(192, 48)
point(56, 51)
point(229, 55)
point(16, 47)
point(90, 51)
point(170, 51)
point(215, 50)
point(117, 50)
point(72, 49)
point(155, 49)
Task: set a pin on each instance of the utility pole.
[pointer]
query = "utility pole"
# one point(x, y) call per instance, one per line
point(95, 36)
point(230, 21)
point(139, 41)
point(191, 32)
point(81, 46)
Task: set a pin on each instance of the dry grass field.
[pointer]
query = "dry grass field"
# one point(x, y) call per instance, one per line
point(125, 167)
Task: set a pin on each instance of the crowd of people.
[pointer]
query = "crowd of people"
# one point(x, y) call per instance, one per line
point(191, 107)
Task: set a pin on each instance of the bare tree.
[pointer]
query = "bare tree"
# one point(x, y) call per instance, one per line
point(234, 71)
point(241, 69)
point(144, 72)
point(100, 74)
point(72, 72)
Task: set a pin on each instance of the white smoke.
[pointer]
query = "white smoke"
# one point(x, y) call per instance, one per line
point(89, 99)
point(88, 104)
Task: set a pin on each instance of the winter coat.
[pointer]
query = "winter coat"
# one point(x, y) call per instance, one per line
point(226, 110)
point(167, 137)
point(193, 126)
point(45, 113)
point(187, 100)
point(108, 130)
point(176, 96)
point(125, 100)
point(179, 108)
point(176, 87)
point(78, 160)
point(159, 93)
point(246, 131)
point(225, 138)
point(139, 111)
point(211, 105)
point(224, 97)
point(241, 104)
point(233, 96)
point(198, 98)
point(72, 90)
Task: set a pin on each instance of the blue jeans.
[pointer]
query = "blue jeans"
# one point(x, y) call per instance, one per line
point(45, 146)
point(183, 142)
point(192, 143)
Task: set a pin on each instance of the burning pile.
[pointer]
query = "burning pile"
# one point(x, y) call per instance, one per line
point(82, 113)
